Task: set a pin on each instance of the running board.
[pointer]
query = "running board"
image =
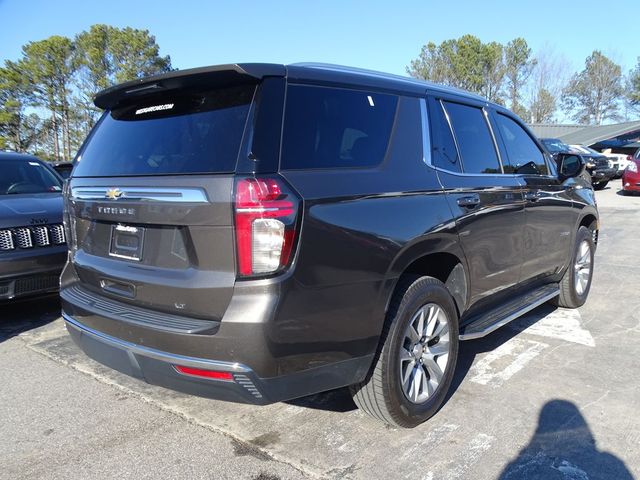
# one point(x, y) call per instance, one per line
point(487, 322)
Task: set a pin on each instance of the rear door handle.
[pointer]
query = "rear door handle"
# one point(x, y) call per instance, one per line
point(532, 196)
point(469, 201)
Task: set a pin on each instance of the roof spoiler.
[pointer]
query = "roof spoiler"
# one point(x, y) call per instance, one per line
point(214, 76)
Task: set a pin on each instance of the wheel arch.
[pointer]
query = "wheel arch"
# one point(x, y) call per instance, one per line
point(587, 221)
point(431, 258)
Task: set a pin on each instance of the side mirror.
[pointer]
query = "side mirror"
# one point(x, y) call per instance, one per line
point(569, 165)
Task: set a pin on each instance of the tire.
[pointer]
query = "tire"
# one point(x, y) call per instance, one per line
point(382, 394)
point(600, 186)
point(571, 293)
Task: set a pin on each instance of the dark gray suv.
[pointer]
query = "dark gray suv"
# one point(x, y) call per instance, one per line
point(260, 232)
point(33, 248)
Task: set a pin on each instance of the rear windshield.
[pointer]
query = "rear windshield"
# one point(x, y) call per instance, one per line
point(189, 133)
point(20, 176)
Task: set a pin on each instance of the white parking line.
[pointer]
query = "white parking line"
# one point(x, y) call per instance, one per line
point(433, 437)
point(563, 324)
point(499, 365)
point(470, 454)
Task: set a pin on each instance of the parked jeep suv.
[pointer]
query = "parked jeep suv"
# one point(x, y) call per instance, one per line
point(33, 248)
point(260, 232)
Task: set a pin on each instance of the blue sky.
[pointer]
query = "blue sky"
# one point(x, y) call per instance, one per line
point(371, 34)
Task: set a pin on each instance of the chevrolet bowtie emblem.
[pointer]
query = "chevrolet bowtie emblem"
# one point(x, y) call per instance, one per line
point(114, 193)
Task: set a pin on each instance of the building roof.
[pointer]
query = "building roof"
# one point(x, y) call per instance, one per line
point(551, 130)
point(587, 134)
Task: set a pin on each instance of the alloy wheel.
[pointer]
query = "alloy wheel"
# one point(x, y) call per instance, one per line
point(424, 353)
point(582, 267)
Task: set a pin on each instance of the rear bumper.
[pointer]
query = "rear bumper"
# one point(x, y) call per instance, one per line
point(245, 386)
point(631, 182)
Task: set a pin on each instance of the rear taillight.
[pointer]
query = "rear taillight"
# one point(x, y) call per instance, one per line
point(265, 214)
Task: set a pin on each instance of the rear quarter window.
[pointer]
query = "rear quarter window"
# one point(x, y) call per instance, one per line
point(336, 128)
point(168, 135)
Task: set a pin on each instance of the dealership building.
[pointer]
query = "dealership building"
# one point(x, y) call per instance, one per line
point(619, 137)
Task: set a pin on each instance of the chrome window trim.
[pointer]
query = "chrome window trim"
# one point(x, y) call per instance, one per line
point(152, 194)
point(493, 137)
point(426, 134)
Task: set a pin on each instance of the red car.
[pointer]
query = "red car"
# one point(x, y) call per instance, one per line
point(631, 175)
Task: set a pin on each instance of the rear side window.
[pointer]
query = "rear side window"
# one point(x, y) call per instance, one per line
point(443, 147)
point(524, 155)
point(185, 133)
point(335, 128)
point(474, 139)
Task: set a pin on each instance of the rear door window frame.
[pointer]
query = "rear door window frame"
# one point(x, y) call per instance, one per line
point(436, 98)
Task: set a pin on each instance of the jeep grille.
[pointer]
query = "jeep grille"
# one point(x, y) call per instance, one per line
point(30, 237)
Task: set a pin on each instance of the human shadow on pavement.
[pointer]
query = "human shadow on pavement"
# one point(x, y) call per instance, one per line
point(563, 447)
point(18, 316)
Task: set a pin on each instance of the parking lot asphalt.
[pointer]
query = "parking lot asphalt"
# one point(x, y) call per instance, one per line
point(553, 395)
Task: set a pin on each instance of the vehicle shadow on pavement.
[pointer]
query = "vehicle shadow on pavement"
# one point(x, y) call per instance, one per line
point(20, 316)
point(340, 400)
point(564, 447)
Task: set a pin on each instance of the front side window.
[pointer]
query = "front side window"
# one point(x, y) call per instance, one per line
point(336, 128)
point(474, 138)
point(20, 176)
point(524, 155)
